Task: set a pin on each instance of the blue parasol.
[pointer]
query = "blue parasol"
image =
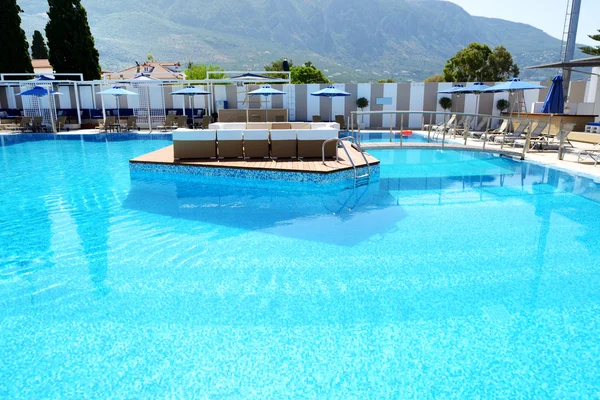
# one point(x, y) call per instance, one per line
point(118, 92)
point(331, 92)
point(266, 91)
point(514, 85)
point(190, 91)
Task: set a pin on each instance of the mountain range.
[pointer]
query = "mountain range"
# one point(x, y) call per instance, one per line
point(351, 40)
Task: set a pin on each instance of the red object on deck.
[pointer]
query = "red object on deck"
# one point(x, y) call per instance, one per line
point(406, 132)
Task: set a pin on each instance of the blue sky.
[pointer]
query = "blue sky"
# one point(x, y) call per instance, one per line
point(547, 15)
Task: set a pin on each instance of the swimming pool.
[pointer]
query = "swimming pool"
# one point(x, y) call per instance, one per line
point(457, 274)
point(384, 136)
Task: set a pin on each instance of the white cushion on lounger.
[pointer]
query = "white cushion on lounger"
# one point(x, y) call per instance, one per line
point(256, 134)
point(327, 125)
point(206, 134)
point(229, 134)
point(283, 134)
point(317, 134)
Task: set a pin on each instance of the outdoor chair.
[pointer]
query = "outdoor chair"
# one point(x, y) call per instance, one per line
point(283, 143)
point(107, 124)
point(518, 133)
point(37, 124)
point(131, 123)
point(61, 122)
point(310, 143)
point(342, 121)
point(206, 121)
point(256, 143)
point(230, 143)
point(549, 142)
point(194, 144)
point(535, 135)
point(169, 123)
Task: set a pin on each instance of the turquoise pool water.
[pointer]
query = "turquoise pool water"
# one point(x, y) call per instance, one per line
point(456, 275)
point(384, 136)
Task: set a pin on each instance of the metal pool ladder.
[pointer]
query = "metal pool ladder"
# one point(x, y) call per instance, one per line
point(359, 180)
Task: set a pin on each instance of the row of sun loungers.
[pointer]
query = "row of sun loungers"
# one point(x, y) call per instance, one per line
point(253, 143)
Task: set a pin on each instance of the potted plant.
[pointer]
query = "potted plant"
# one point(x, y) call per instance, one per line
point(502, 105)
point(445, 103)
point(362, 103)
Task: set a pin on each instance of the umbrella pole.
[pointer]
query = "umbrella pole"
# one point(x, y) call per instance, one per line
point(192, 106)
point(267, 110)
point(118, 110)
point(331, 110)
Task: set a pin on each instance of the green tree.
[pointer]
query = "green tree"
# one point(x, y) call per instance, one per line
point(39, 51)
point(14, 49)
point(388, 80)
point(477, 62)
point(198, 71)
point(445, 103)
point(150, 57)
point(593, 51)
point(70, 40)
point(277, 65)
point(307, 73)
point(435, 78)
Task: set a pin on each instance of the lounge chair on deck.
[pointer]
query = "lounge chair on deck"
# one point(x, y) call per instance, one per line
point(310, 143)
point(61, 122)
point(107, 124)
point(518, 133)
point(591, 153)
point(256, 143)
point(230, 143)
point(169, 123)
point(536, 134)
point(316, 118)
point(37, 124)
point(181, 121)
point(444, 126)
point(23, 125)
point(206, 121)
point(131, 123)
point(342, 121)
point(553, 142)
point(501, 130)
point(283, 143)
point(480, 129)
point(195, 144)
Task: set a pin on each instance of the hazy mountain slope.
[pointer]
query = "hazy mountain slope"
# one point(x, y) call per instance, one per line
point(352, 39)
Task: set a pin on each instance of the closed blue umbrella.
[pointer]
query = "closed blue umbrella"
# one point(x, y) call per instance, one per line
point(331, 92)
point(554, 103)
point(190, 91)
point(266, 91)
point(118, 92)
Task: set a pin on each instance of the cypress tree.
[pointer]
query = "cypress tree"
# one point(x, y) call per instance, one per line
point(70, 39)
point(14, 49)
point(39, 51)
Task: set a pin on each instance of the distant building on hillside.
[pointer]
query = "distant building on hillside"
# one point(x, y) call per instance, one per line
point(42, 67)
point(153, 69)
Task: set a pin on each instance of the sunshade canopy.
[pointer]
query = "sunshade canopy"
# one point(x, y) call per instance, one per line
point(190, 91)
point(330, 91)
point(476, 88)
point(453, 89)
point(265, 91)
point(580, 62)
point(118, 91)
point(37, 91)
point(513, 85)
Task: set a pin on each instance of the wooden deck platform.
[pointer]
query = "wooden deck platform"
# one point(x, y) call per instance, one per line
point(165, 156)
